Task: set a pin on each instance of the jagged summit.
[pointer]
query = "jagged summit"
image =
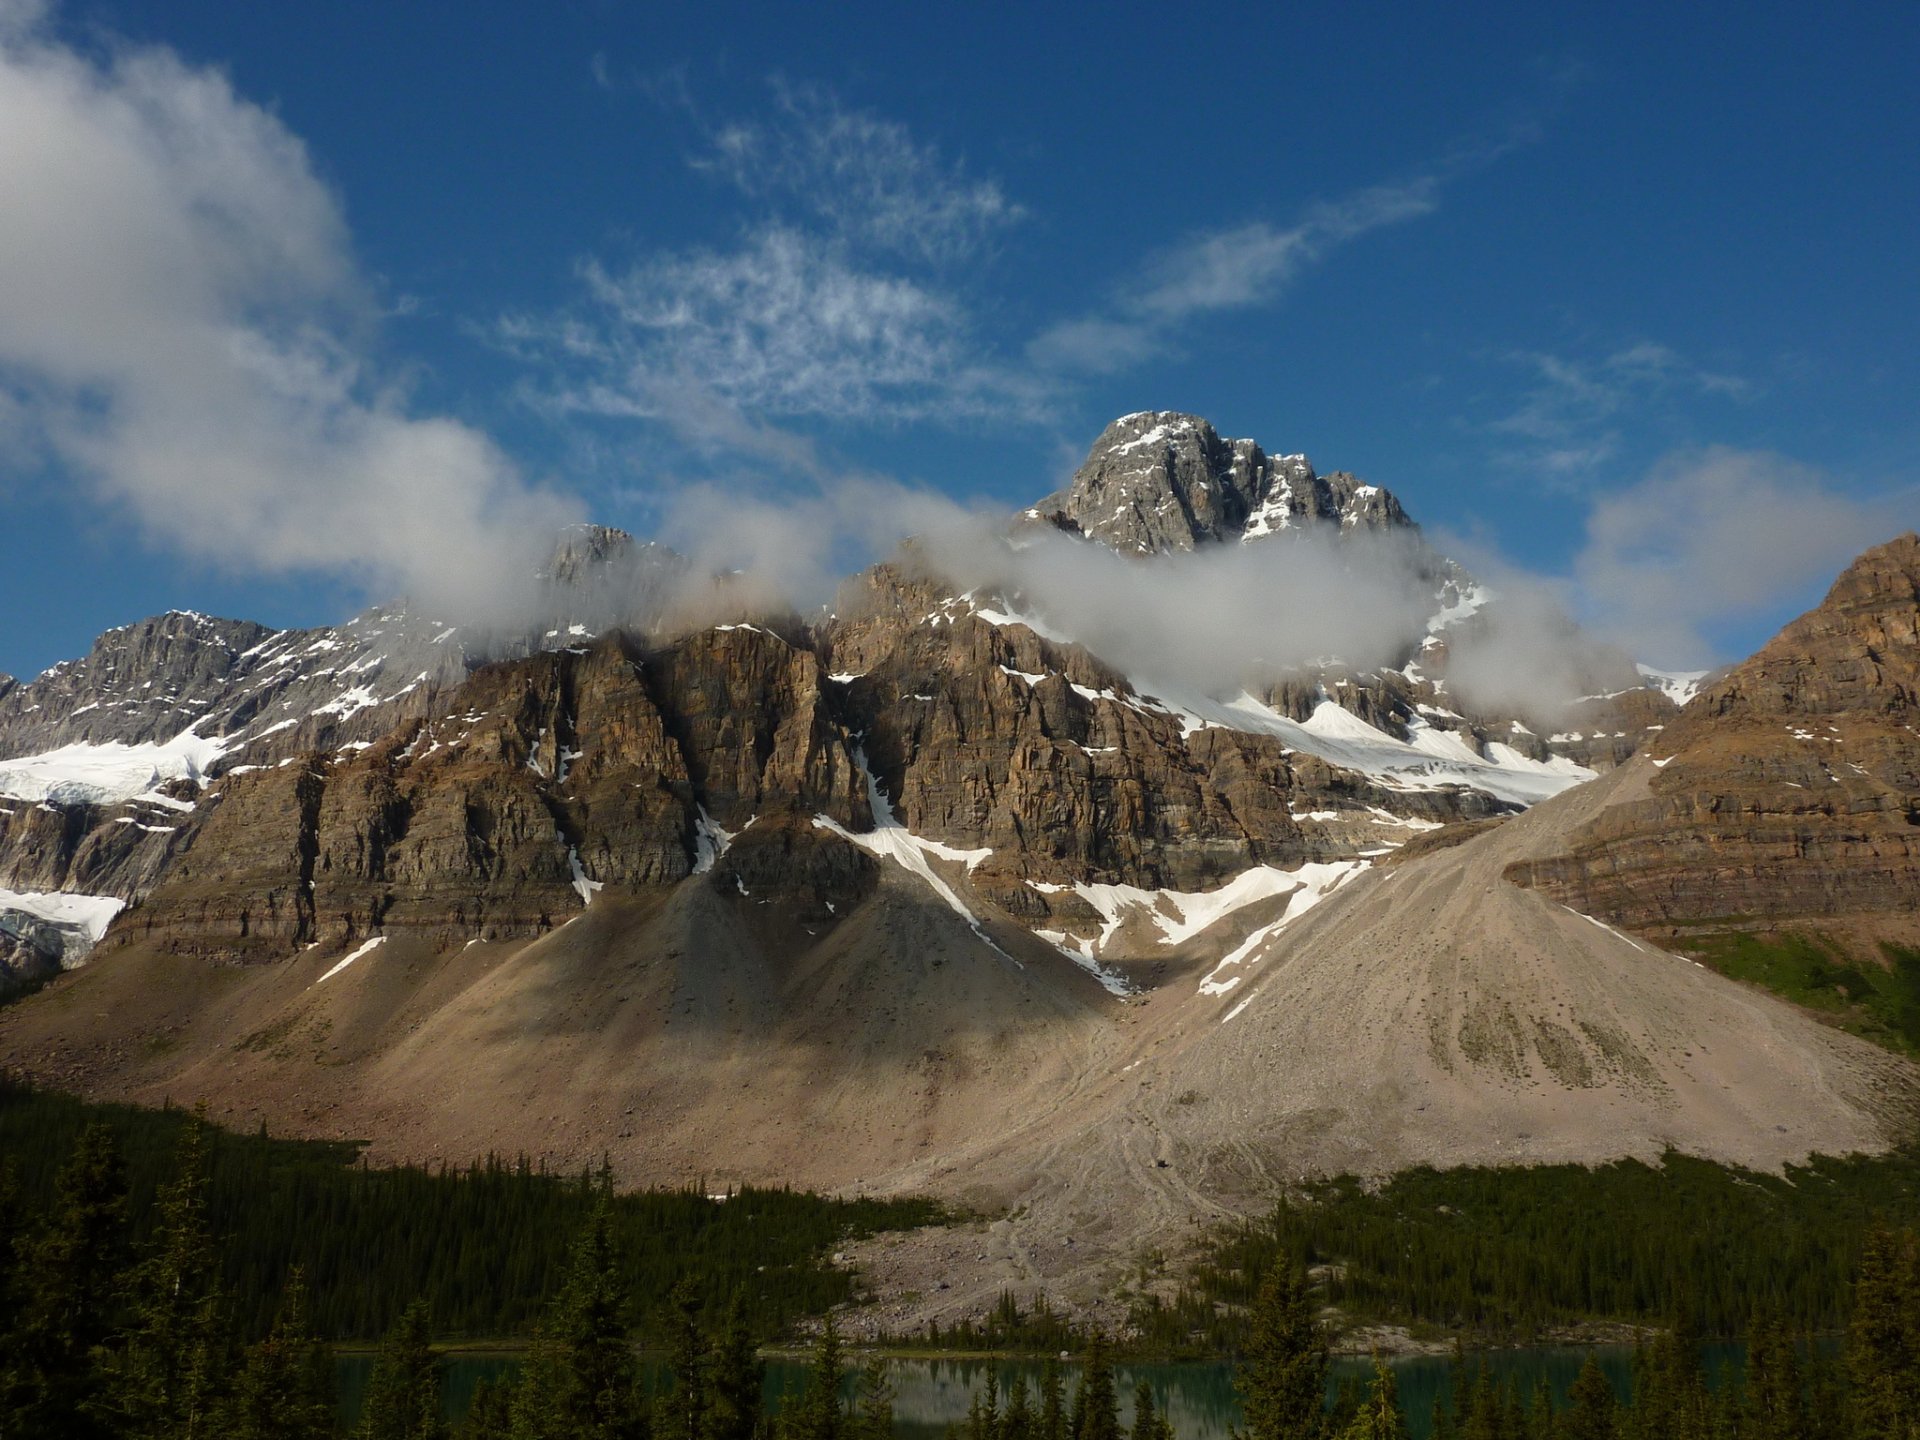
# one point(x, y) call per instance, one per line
point(1160, 480)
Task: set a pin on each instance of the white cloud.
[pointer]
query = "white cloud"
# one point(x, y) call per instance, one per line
point(835, 303)
point(1570, 420)
point(864, 176)
point(786, 324)
point(1238, 268)
point(1721, 536)
point(182, 322)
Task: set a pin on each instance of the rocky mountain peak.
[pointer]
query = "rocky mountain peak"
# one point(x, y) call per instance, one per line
point(1855, 654)
point(1160, 480)
point(580, 548)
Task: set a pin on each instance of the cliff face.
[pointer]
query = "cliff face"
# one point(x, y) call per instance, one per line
point(546, 779)
point(250, 792)
point(1787, 792)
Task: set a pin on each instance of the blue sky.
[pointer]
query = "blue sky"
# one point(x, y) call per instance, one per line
point(1618, 297)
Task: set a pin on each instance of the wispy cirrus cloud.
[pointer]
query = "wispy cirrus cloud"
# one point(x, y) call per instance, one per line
point(1572, 416)
point(1244, 266)
point(839, 300)
point(862, 176)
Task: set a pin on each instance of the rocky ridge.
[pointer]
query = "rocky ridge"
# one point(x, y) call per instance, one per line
point(1786, 795)
point(253, 791)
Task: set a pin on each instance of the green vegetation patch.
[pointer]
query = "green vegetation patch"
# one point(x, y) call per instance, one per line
point(1877, 1001)
point(1505, 1254)
point(482, 1246)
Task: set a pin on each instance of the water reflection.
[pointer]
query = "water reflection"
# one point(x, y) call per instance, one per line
point(931, 1396)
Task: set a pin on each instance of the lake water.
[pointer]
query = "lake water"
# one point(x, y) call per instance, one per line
point(932, 1395)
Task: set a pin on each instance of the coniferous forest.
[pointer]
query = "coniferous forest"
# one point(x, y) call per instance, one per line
point(155, 1283)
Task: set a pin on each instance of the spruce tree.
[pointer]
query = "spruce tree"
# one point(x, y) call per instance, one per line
point(817, 1416)
point(285, 1389)
point(1883, 1350)
point(490, 1415)
point(1096, 1410)
point(683, 1413)
point(1017, 1421)
point(1828, 1416)
point(1591, 1406)
point(179, 1357)
point(1775, 1403)
point(1485, 1420)
point(1378, 1417)
point(873, 1410)
point(736, 1380)
point(1053, 1413)
point(404, 1400)
point(1148, 1423)
point(1283, 1378)
point(69, 1284)
point(582, 1380)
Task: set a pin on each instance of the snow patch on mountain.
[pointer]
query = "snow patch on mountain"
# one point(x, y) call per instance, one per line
point(1680, 686)
point(1316, 882)
point(710, 842)
point(109, 773)
point(892, 840)
point(90, 914)
point(367, 949)
point(1178, 915)
point(1429, 759)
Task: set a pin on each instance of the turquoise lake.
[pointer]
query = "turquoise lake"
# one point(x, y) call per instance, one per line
point(934, 1394)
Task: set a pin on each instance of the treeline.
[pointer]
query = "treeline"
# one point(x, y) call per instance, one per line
point(1504, 1254)
point(1791, 1388)
point(105, 1338)
point(481, 1246)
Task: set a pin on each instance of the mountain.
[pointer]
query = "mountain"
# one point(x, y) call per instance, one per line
point(1159, 481)
point(280, 787)
point(1786, 798)
point(920, 893)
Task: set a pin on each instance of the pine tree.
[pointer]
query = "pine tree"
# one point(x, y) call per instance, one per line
point(1096, 1410)
point(1883, 1350)
point(404, 1395)
point(285, 1390)
point(873, 1412)
point(1591, 1406)
point(736, 1380)
point(1053, 1414)
point(582, 1380)
point(683, 1413)
point(1378, 1417)
point(1283, 1379)
point(69, 1282)
point(179, 1358)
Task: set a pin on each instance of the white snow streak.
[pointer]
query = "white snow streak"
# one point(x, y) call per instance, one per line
point(367, 949)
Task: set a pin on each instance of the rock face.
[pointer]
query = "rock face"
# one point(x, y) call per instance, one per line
point(1159, 481)
point(918, 895)
point(1788, 792)
point(550, 778)
point(252, 792)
